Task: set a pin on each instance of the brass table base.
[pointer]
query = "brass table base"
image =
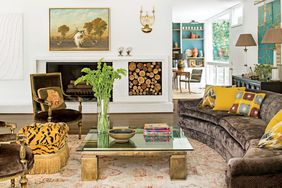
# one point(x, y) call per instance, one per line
point(90, 162)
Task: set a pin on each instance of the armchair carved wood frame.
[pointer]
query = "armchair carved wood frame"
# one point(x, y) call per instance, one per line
point(69, 116)
point(15, 159)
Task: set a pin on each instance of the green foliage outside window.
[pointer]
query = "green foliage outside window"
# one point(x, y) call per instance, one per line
point(221, 40)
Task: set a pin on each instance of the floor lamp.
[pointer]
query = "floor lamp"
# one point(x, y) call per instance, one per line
point(274, 36)
point(246, 40)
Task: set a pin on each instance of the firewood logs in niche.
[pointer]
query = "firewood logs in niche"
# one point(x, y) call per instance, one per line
point(145, 78)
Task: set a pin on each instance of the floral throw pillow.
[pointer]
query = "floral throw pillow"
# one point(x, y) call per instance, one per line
point(53, 95)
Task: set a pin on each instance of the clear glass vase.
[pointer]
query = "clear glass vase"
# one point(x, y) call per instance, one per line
point(103, 121)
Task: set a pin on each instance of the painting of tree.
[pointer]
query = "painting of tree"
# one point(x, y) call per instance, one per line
point(63, 29)
point(79, 29)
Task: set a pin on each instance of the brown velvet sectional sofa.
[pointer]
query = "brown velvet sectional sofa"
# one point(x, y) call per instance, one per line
point(235, 138)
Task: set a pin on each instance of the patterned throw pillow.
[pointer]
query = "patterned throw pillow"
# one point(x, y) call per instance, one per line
point(209, 97)
point(273, 138)
point(53, 95)
point(247, 103)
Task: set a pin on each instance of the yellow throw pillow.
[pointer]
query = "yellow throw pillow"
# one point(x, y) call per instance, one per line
point(225, 97)
point(247, 103)
point(276, 119)
point(273, 138)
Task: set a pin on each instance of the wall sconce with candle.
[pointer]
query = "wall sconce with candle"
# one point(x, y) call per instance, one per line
point(147, 20)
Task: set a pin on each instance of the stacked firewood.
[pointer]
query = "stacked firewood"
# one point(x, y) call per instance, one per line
point(145, 78)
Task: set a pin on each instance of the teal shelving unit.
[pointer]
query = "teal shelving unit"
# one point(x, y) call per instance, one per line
point(182, 35)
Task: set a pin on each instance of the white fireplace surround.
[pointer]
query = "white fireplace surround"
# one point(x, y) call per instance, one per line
point(122, 102)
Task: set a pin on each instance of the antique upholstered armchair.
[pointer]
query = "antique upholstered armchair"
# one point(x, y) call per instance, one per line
point(48, 101)
point(15, 159)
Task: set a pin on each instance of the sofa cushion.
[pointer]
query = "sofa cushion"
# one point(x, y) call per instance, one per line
point(270, 106)
point(203, 113)
point(243, 129)
point(272, 139)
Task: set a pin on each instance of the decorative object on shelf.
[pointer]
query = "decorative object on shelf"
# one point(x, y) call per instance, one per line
point(128, 51)
point(176, 45)
point(200, 63)
point(188, 52)
point(87, 32)
point(246, 40)
point(120, 51)
point(145, 78)
point(195, 52)
point(102, 81)
point(263, 71)
point(274, 36)
point(147, 20)
point(121, 135)
point(192, 63)
point(201, 53)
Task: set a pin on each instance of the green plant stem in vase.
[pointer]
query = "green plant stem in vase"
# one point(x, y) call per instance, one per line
point(102, 81)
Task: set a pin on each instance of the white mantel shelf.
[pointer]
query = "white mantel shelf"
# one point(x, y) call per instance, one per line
point(122, 102)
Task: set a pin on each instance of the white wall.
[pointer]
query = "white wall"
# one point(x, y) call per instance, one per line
point(250, 25)
point(125, 31)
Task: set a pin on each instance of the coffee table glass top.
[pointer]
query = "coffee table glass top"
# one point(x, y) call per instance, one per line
point(95, 142)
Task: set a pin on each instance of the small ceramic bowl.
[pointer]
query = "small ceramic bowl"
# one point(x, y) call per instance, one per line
point(121, 135)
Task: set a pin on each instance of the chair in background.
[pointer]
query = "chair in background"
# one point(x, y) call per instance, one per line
point(194, 77)
point(15, 159)
point(48, 101)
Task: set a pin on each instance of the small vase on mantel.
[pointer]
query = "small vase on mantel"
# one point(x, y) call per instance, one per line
point(103, 121)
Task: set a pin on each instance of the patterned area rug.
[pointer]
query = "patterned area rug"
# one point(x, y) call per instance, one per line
point(205, 169)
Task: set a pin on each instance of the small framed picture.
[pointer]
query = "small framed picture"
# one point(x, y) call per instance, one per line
point(200, 63)
point(192, 63)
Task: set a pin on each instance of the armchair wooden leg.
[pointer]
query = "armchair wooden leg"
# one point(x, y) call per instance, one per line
point(23, 181)
point(13, 182)
point(79, 127)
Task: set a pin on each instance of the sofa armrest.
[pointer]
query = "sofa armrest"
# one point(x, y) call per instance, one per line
point(254, 166)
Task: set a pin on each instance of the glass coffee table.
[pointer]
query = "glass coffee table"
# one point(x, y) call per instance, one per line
point(95, 145)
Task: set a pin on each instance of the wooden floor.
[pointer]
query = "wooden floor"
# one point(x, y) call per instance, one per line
point(89, 120)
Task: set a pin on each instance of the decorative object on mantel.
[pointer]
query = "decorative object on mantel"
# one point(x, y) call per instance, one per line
point(128, 51)
point(87, 32)
point(246, 40)
point(274, 36)
point(145, 78)
point(120, 51)
point(147, 20)
point(102, 81)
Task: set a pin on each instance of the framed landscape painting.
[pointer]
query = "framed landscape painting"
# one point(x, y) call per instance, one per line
point(79, 29)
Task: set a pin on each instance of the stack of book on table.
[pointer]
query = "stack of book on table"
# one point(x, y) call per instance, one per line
point(157, 132)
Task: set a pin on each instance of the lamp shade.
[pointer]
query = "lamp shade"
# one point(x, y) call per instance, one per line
point(273, 36)
point(246, 40)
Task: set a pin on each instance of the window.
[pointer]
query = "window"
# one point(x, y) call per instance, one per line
point(221, 31)
point(237, 16)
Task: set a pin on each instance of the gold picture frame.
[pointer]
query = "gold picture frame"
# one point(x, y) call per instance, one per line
point(192, 63)
point(79, 29)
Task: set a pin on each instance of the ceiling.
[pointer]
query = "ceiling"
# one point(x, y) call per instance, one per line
point(199, 10)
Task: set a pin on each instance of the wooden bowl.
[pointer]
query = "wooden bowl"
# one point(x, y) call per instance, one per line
point(121, 135)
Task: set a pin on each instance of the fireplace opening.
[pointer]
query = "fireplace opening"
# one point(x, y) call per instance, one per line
point(70, 72)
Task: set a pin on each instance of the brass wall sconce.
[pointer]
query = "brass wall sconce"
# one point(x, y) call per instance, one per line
point(147, 20)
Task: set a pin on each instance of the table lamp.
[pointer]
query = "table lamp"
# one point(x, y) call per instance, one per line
point(274, 36)
point(246, 40)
